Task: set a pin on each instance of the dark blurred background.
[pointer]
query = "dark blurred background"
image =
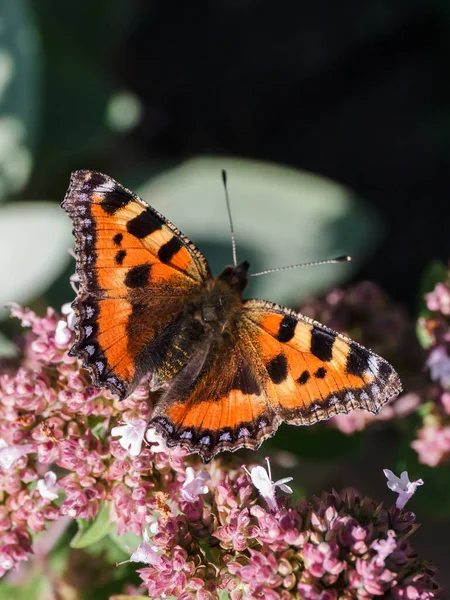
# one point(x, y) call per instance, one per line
point(357, 93)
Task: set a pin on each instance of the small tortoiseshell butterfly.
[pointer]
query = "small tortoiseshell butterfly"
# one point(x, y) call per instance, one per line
point(229, 370)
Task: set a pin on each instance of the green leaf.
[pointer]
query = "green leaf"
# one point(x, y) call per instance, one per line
point(7, 348)
point(19, 94)
point(34, 238)
point(281, 217)
point(90, 532)
point(126, 540)
point(224, 595)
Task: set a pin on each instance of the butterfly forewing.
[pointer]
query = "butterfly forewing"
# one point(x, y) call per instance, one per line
point(136, 271)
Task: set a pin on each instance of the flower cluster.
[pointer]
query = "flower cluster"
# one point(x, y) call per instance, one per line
point(68, 450)
point(433, 442)
point(366, 314)
point(336, 546)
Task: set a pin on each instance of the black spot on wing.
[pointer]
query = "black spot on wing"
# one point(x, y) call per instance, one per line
point(120, 256)
point(277, 368)
point(94, 180)
point(169, 249)
point(357, 360)
point(245, 381)
point(384, 370)
point(143, 225)
point(117, 239)
point(138, 276)
point(320, 373)
point(304, 378)
point(322, 343)
point(286, 330)
point(114, 201)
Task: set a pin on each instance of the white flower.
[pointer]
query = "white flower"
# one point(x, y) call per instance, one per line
point(153, 437)
point(48, 486)
point(146, 552)
point(62, 334)
point(9, 454)
point(71, 317)
point(439, 364)
point(401, 486)
point(131, 435)
point(384, 548)
point(194, 485)
point(262, 480)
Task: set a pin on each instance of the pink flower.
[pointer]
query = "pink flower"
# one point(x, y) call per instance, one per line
point(131, 435)
point(401, 486)
point(194, 485)
point(262, 480)
point(433, 443)
point(439, 299)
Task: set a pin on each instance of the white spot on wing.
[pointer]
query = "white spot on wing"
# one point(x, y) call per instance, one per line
point(186, 435)
point(107, 186)
point(243, 432)
point(374, 364)
point(88, 330)
point(90, 349)
point(100, 366)
point(225, 437)
point(89, 312)
point(205, 440)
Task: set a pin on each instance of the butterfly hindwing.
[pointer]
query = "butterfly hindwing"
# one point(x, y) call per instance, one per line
point(135, 270)
point(225, 408)
point(310, 371)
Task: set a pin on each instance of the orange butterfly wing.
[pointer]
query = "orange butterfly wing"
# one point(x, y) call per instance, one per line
point(279, 366)
point(136, 270)
point(310, 371)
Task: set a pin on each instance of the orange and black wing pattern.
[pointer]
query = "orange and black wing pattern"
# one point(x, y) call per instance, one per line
point(312, 373)
point(136, 270)
point(279, 367)
point(226, 408)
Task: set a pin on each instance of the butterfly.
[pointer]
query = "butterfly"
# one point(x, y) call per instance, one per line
point(229, 370)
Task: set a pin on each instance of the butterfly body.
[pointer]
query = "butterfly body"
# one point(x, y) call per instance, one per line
point(229, 370)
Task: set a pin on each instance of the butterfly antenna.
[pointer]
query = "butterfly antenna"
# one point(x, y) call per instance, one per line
point(233, 239)
point(330, 261)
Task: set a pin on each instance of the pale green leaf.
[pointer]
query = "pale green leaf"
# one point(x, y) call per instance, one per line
point(90, 532)
point(281, 216)
point(19, 93)
point(34, 239)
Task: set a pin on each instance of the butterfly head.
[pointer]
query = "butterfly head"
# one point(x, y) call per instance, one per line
point(236, 277)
